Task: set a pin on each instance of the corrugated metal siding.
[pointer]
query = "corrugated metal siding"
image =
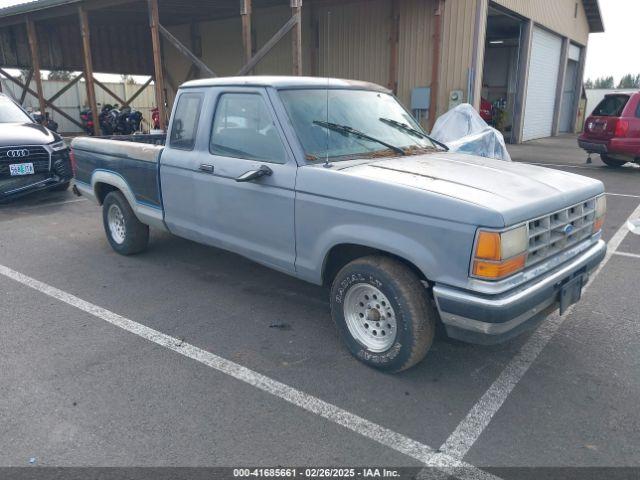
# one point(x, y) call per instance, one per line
point(354, 41)
point(415, 50)
point(222, 45)
point(458, 31)
point(358, 43)
point(557, 15)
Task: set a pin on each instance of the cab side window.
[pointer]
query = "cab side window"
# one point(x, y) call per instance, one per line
point(185, 122)
point(244, 128)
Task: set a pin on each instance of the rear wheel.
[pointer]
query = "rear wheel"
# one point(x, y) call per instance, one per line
point(382, 312)
point(126, 234)
point(611, 162)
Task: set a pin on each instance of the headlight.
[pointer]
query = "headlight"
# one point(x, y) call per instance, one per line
point(500, 254)
point(601, 210)
point(58, 146)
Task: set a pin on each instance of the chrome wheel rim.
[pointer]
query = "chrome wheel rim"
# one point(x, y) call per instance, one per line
point(117, 227)
point(370, 317)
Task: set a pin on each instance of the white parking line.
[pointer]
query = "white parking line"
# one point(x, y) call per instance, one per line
point(563, 165)
point(43, 205)
point(351, 421)
point(469, 430)
point(623, 195)
point(628, 255)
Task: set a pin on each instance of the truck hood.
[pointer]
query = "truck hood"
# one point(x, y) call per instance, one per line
point(18, 134)
point(517, 191)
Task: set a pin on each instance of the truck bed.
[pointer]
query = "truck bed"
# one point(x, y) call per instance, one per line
point(134, 159)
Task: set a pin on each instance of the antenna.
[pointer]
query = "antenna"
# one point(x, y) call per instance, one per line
point(326, 66)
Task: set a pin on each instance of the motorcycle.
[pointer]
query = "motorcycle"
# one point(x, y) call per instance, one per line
point(108, 118)
point(124, 121)
point(113, 120)
point(46, 121)
point(86, 118)
point(155, 118)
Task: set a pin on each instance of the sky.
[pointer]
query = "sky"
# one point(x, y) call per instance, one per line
point(614, 52)
point(610, 53)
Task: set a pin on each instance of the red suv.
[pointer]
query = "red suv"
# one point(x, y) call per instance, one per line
point(613, 129)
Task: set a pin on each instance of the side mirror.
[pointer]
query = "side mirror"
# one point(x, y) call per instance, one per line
point(251, 175)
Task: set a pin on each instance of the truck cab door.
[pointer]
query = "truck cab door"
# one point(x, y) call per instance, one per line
point(243, 181)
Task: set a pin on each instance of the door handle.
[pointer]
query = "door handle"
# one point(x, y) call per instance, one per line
point(251, 175)
point(206, 168)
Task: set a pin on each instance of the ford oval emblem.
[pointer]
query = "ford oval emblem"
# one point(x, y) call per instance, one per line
point(568, 229)
point(18, 153)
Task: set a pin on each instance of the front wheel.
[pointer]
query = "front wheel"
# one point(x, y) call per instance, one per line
point(382, 312)
point(126, 234)
point(611, 162)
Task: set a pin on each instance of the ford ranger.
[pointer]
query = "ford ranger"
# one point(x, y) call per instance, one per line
point(334, 182)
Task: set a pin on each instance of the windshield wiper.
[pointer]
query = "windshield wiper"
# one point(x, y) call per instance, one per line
point(409, 129)
point(345, 129)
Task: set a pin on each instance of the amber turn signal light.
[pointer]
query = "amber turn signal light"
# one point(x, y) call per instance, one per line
point(497, 270)
point(597, 225)
point(488, 246)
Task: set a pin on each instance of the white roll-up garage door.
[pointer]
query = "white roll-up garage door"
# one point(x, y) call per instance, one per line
point(541, 87)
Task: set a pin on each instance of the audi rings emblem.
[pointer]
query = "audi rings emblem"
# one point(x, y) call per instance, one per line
point(18, 153)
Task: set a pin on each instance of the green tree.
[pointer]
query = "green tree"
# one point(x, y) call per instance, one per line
point(60, 75)
point(629, 81)
point(604, 83)
point(588, 84)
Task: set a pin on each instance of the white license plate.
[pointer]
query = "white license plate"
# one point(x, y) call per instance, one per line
point(21, 169)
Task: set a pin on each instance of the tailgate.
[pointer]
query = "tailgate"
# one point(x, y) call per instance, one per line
point(602, 123)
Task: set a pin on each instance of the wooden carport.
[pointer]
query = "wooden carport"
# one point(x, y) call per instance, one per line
point(124, 37)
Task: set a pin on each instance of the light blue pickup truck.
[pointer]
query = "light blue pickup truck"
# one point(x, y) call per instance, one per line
point(333, 181)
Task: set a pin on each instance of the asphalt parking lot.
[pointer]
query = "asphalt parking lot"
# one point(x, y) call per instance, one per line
point(249, 370)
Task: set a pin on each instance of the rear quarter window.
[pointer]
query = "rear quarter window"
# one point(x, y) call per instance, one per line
point(185, 121)
point(611, 106)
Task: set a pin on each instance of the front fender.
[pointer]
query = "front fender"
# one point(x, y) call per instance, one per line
point(393, 242)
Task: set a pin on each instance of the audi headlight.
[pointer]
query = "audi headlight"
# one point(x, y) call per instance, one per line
point(58, 146)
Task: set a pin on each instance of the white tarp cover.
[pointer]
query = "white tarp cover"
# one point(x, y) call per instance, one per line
point(464, 131)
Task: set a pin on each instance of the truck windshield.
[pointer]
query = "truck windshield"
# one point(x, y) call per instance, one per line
point(11, 113)
point(359, 123)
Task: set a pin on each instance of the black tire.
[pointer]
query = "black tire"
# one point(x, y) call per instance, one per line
point(135, 233)
point(611, 162)
point(414, 316)
point(63, 187)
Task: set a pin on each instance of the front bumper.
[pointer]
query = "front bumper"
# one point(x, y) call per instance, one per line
point(489, 319)
point(59, 173)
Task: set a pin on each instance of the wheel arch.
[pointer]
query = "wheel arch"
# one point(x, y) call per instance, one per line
point(103, 182)
point(341, 254)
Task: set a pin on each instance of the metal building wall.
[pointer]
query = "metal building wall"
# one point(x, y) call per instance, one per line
point(457, 53)
point(354, 40)
point(556, 15)
point(222, 45)
point(415, 52)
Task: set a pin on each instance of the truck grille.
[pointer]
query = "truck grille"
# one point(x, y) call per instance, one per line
point(37, 155)
point(558, 231)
